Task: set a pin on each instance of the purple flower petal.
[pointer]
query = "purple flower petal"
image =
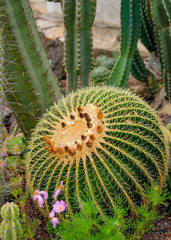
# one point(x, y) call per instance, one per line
point(57, 193)
point(61, 183)
point(54, 221)
point(59, 206)
point(39, 198)
point(44, 193)
point(35, 197)
point(52, 214)
point(40, 201)
point(3, 153)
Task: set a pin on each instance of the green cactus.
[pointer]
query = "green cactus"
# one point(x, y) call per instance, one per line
point(102, 68)
point(130, 22)
point(32, 87)
point(100, 75)
point(101, 142)
point(147, 35)
point(160, 11)
point(78, 20)
point(138, 69)
point(10, 228)
point(148, 20)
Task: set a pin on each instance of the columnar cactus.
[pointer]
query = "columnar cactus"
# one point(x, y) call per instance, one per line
point(78, 20)
point(130, 23)
point(32, 86)
point(150, 21)
point(101, 142)
point(10, 228)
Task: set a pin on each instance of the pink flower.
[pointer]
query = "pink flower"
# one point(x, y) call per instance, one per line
point(37, 196)
point(59, 206)
point(54, 221)
point(2, 164)
point(58, 191)
point(52, 214)
point(3, 153)
point(44, 193)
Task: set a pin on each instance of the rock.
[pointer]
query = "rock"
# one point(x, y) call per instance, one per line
point(140, 88)
point(55, 53)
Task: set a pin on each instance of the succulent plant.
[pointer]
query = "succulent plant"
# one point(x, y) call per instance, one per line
point(100, 75)
point(32, 86)
point(10, 228)
point(101, 142)
point(149, 21)
point(102, 69)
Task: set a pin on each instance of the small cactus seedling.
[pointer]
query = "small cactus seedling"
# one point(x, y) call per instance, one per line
point(10, 228)
point(102, 142)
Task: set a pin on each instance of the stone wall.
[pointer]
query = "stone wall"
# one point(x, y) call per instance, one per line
point(108, 12)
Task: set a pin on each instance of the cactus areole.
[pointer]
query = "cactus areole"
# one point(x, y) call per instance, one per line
point(101, 142)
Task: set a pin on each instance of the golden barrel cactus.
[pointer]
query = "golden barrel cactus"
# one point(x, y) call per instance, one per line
point(102, 142)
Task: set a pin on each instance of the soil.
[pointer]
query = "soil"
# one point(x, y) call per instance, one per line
point(33, 213)
point(162, 230)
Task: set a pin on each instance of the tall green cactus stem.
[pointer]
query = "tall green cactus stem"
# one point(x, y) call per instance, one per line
point(130, 23)
point(78, 20)
point(138, 69)
point(161, 17)
point(10, 228)
point(147, 35)
point(101, 142)
point(86, 15)
point(71, 58)
point(32, 85)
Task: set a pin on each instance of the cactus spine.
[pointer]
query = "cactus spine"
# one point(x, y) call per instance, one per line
point(31, 83)
point(130, 22)
point(150, 21)
point(160, 11)
point(10, 228)
point(138, 69)
point(78, 20)
point(101, 142)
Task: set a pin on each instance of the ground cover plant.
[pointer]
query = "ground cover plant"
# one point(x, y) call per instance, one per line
point(94, 162)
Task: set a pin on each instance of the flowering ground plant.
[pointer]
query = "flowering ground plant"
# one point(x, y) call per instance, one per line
point(58, 207)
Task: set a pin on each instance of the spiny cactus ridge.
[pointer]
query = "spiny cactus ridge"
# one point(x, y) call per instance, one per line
point(101, 142)
point(31, 85)
point(78, 20)
point(130, 22)
point(150, 21)
point(138, 69)
point(160, 11)
point(10, 228)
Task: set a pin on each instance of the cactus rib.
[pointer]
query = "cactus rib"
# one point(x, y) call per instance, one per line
point(138, 69)
point(86, 15)
point(10, 227)
point(163, 32)
point(71, 58)
point(130, 22)
point(31, 59)
point(31, 84)
point(112, 143)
